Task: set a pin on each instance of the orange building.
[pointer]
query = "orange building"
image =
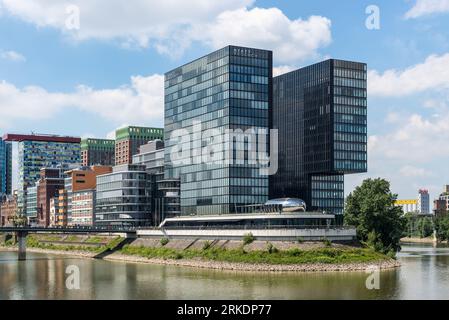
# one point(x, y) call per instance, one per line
point(76, 202)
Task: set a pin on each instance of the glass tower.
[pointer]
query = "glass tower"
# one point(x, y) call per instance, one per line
point(229, 89)
point(321, 114)
point(5, 167)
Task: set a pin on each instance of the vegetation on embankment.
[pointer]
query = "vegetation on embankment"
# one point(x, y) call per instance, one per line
point(91, 244)
point(271, 255)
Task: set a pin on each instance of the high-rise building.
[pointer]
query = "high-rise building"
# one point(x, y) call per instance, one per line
point(123, 197)
point(97, 152)
point(441, 205)
point(320, 112)
point(41, 151)
point(5, 168)
point(164, 192)
point(423, 202)
point(229, 89)
point(129, 139)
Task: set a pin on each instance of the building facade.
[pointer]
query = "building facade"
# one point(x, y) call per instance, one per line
point(8, 209)
point(51, 180)
point(31, 202)
point(82, 209)
point(408, 205)
point(165, 193)
point(124, 197)
point(129, 139)
point(423, 201)
point(227, 90)
point(5, 168)
point(441, 205)
point(41, 151)
point(97, 152)
point(320, 112)
point(78, 182)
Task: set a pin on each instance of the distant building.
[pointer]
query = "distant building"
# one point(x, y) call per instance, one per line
point(8, 209)
point(41, 151)
point(441, 205)
point(124, 197)
point(31, 202)
point(129, 139)
point(165, 193)
point(97, 152)
point(408, 206)
point(423, 202)
point(5, 168)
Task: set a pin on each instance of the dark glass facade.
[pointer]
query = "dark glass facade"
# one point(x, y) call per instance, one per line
point(5, 168)
point(228, 89)
point(320, 112)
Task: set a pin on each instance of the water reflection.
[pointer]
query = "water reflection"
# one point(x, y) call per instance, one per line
point(424, 275)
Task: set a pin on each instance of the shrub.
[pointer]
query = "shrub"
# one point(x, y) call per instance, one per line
point(327, 242)
point(271, 248)
point(300, 240)
point(248, 238)
point(164, 241)
point(206, 245)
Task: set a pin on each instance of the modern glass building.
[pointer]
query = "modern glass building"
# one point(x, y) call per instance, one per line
point(320, 112)
point(42, 151)
point(165, 193)
point(31, 201)
point(124, 197)
point(5, 168)
point(229, 89)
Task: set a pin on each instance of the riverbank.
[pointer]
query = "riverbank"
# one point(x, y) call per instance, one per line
point(258, 267)
point(257, 256)
point(429, 240)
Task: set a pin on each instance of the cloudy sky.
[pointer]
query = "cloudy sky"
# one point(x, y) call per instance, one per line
point(86, 79)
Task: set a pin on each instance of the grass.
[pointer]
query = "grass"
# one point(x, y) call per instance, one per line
point(33, 242)
point(292, 256)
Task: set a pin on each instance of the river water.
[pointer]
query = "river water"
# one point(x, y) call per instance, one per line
point(424, 274)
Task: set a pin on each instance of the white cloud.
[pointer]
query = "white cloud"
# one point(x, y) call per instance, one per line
point(171, 26)
point(426, 7)
point(433, 73)
point(12, 56)
point(412, 171)
point(140, 102)
point(292, 40)
point(277, 71)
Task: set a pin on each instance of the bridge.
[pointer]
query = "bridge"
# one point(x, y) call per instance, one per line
point(22, 233)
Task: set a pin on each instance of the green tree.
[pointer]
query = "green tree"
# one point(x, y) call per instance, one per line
point(442, 228)
point(379, 223)
point(19, 219)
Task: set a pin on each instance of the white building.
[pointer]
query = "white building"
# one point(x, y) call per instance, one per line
point(424, 202)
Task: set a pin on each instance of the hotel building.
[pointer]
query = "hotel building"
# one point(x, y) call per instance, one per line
point(228, 89)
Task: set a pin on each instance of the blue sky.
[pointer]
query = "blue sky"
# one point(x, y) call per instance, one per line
point(89, 79)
